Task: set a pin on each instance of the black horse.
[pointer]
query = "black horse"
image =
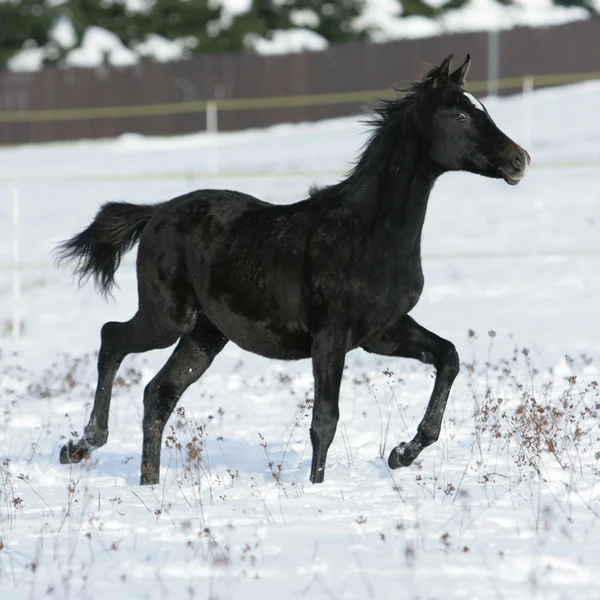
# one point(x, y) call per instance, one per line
point(315, 279)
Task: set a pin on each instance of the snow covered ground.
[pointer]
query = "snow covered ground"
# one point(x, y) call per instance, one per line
point(505, 505)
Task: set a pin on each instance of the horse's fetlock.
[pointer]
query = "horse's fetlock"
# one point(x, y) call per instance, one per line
point(94, 438)
point(428, 435)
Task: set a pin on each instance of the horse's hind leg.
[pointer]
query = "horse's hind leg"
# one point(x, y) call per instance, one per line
point(192, 356)
point(139, 334)
point(167, 310)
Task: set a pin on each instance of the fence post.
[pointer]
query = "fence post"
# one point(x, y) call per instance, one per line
point(527, 110)
point(16, 317)
point(493, 62)
point(212, 117)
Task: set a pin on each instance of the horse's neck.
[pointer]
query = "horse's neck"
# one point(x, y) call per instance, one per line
point(393, 199)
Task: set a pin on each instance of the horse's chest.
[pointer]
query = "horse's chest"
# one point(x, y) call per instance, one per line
point(396, 293)
point(386, 296)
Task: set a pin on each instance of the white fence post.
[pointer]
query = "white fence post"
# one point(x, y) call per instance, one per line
point(527, 110)
point(212, 117)
point(493, 62)
point(16, 217)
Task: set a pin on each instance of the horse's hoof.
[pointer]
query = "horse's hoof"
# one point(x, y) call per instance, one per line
point(70, 453)
point(399, 457)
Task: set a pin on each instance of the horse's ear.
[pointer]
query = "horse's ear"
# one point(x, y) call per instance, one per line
point(440, 75)
point(460, 75)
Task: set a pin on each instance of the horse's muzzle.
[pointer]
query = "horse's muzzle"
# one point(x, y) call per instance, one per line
point(517, 168)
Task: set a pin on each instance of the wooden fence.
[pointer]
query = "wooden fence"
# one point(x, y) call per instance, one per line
point(257, 91)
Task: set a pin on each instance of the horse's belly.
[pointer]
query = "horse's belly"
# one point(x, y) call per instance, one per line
point(284, 341)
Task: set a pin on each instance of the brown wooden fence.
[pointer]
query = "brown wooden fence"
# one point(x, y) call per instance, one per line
point(571, 48)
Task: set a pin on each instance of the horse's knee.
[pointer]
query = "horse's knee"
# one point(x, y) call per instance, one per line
point(325, 418)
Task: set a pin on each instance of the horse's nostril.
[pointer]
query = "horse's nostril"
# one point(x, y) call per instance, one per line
point(518, 162)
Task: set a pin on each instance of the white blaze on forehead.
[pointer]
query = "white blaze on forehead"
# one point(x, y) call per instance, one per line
point(474, 101)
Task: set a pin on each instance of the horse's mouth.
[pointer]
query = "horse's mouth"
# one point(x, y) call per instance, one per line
point(517, 169)
point(510, 179)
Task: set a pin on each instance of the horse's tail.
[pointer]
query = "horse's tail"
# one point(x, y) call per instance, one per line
point(98, 249)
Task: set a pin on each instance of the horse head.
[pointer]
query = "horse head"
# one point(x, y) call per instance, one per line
point(460, 134)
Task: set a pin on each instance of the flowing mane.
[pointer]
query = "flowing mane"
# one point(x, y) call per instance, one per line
point(385, 121)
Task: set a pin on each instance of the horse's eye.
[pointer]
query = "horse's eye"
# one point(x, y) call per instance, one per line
point(460, 116)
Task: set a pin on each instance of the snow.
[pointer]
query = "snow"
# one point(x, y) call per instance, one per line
point(64, 33)
point(306, 17)
point(382, 16)
point(476, 15)
point(100, 46)
point(159, 48)
point(489, 511)
point(289, 40)
point(30, 59)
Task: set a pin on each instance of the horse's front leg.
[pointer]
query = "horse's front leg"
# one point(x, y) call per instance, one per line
point(328, 357)
point(408, 339)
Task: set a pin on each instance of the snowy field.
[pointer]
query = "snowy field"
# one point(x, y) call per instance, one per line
point(505, 505)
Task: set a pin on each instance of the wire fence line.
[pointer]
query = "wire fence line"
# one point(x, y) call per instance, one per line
point(15, 184)
point(237, 174)
point(212, 106)
point(434, 257)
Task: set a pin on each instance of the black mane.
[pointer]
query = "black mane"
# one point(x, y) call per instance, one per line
point(385, 120)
